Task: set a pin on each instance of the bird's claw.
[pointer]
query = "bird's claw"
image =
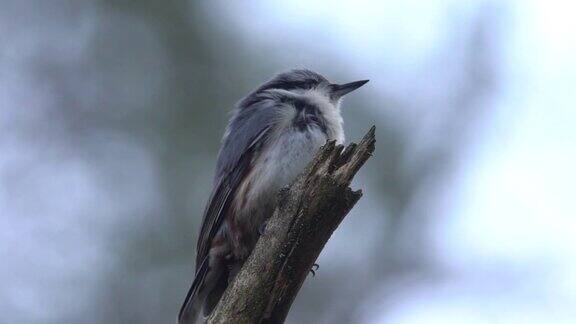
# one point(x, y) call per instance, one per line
point(315, 268)
point(262, 227)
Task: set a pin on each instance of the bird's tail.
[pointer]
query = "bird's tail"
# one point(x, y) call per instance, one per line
point(191, 310)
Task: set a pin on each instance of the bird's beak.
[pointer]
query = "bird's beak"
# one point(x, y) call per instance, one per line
point(337, 91)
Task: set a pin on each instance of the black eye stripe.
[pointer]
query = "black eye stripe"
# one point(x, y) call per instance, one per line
point(294, 79)
point(300, 105)
point(291, 85)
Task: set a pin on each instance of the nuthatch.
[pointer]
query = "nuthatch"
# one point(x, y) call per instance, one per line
point(273, 134)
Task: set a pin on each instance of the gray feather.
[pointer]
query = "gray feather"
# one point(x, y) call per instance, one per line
point(247, 132)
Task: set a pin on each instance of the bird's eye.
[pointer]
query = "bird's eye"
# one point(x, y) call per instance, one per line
point(308, 84)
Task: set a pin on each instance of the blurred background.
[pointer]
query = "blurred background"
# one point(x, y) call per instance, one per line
point(111, 113)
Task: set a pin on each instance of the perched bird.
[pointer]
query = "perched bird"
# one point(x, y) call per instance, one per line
point(273, 134)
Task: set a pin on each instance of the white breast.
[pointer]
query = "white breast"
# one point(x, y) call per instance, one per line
point(278, 167)
point(284, 158)
point(289, 156)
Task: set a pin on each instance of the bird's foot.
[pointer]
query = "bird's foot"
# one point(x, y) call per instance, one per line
point(315, 268)
point(262, 227)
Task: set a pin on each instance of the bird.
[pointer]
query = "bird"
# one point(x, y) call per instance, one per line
point(273, 133)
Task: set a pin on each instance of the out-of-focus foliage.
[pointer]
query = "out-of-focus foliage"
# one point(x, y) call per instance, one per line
point(111, 113)
point(115, 135)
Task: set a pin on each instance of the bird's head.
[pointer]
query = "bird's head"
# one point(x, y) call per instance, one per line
point(307, 83)
point(301, 99)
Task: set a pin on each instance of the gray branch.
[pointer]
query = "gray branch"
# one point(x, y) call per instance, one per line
point(307, 214)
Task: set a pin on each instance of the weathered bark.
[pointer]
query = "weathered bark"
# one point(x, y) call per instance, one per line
point(307, 214)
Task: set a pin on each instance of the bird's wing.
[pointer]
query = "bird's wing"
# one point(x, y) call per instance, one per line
point(247, 133)
point(230, 172)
